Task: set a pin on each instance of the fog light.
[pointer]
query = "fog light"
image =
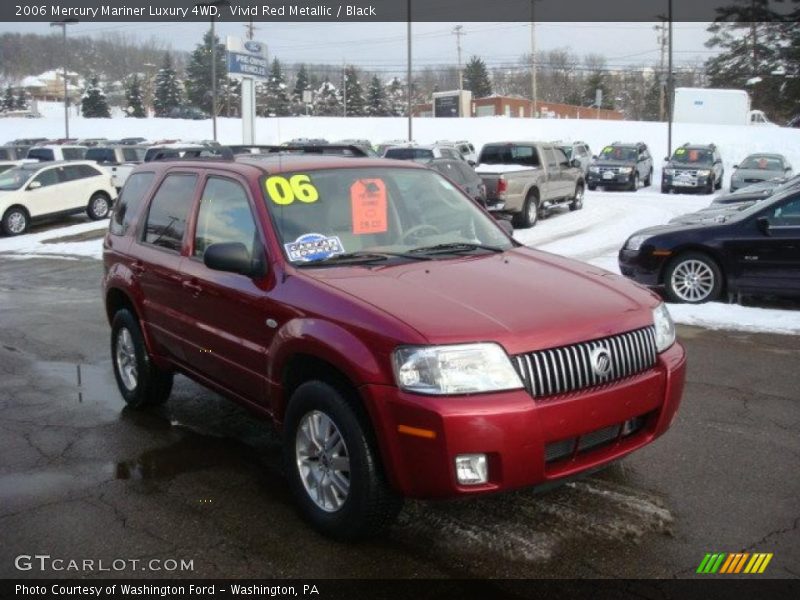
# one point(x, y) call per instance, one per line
point(632, 426)
point(472, 469)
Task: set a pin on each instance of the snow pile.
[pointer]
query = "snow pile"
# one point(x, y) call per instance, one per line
point(41, 245)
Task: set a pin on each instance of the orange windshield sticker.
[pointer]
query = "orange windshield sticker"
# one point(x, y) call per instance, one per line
point(693, 155)
point(368, 202)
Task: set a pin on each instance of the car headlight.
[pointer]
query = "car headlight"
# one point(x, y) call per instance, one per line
point(625, 170)
point(669, 172)
point(593, 169)
point(665, 327)
point(703, 173)
point(456, 369)
point(635, 242)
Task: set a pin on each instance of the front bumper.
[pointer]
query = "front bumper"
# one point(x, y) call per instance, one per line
point(642, 265)
point(690, 183)
point(615, 180)
point(517, 432)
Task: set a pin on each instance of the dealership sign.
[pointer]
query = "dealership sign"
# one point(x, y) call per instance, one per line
point(247, 58)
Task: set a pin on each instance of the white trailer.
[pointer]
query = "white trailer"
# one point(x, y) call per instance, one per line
point(715, 107)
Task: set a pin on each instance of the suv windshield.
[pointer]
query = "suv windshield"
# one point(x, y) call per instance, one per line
point(14, 179)
point(692, 156)
point(619, 153)
point(321, 214)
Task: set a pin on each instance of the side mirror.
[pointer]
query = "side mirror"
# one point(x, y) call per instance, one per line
point(35, 185)
point(575, 163)
point(763, 225)
point(506, 226)
point(594, 156)
point(735, 166)
point(471, 163)
point(666, 159)
point(233, 257)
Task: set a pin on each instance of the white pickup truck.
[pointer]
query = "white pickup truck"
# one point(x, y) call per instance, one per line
point(118, 161)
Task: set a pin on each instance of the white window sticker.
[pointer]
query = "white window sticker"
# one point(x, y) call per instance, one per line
point(313, 246)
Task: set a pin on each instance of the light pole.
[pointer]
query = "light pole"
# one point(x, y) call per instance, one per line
point(670, 82)
point(458, 31)
point(408, 74)
point(216, 4)
point(63, 24)
point(534, 93)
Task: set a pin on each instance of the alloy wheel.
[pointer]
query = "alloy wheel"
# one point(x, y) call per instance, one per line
point(692, 280)
point(323, 461)
point(125, 357)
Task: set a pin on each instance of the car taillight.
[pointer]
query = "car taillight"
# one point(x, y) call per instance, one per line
point(502, 185)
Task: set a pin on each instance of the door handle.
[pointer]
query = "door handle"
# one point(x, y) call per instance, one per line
point(194, 288)
point(137, 268)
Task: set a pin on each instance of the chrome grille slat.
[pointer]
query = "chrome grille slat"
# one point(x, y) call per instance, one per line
point(569, 368)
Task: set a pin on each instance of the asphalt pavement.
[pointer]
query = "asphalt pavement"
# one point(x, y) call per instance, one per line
point(199, 479)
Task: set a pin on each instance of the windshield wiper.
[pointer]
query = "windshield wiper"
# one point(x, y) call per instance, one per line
point(454, 247)
point(361, 256)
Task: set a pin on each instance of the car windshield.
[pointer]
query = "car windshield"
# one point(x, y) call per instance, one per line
point(692, 156)
point(409, 153)
point(762, 163)
point(619, 153)
point(14, 179)
point(321, 215)
point(567, 150)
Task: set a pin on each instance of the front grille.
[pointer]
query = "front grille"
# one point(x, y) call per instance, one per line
point(562, 449)
point(614, 170)
point(753, 180)
point(570, 368)
point(690, 172)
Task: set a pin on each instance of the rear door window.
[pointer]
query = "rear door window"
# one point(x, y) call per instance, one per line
point(130, 199)
point(169, 210)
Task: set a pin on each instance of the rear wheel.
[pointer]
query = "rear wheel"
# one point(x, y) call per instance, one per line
point(592, 187)
point(577, 199)
point(140, 382)
point(15, 221)
point(333, 467)
point(99, 206)
point(530, 212)
point(665, 189)
point(694, 278)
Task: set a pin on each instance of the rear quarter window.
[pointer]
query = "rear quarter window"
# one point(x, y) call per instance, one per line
point(41, 154)
point(130, 201)
point(169, 211)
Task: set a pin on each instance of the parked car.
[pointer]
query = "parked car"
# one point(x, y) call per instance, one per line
point(330, 149)
point(528, 179)
point(753, 251)
point(26, 142)
point(37, 191)
point(465, 148)
point(693, 167)
point(759, 167)
point(183, 150)
point(133, 141)
point(412, 380)
point(579, 151)
point(13, 152)
point(422, 152)
point(383, 146)
point(462, 175)
point(91, 142)
point(188, 112)
point(119, 161)
point(621, 165)
point(758, 191)
point(364, 145)
point(56, 152)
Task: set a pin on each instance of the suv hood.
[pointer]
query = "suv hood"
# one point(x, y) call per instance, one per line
point(524, 299)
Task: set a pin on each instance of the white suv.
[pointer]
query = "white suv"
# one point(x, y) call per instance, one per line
point(31, 192)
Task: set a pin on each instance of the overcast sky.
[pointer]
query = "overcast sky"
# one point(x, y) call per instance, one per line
point(382, 46)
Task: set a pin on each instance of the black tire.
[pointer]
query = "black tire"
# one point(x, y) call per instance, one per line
point(16, 221)
point(665, 189)
point(99, 206)
point(370, 505)
point(675, 293)
point(648, 181)
point(529, 214)
point(577, 198)
point(152, 385)
point(634, 185)
point(718, 184)
point(592, 186)
point(709, 189)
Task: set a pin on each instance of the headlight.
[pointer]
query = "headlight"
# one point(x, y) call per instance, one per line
point(594, 169)
point(669, 172)
point(703, 173)
point(665, 327)
point(457, 369)
point(635, 242)
point(625, 170)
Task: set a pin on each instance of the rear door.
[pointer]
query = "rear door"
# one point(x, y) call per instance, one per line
point(556, 181)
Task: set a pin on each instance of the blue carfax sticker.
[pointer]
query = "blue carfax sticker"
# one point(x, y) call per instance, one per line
point(313, 246)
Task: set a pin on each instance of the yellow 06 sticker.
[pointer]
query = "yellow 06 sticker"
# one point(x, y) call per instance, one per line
point(285, 191)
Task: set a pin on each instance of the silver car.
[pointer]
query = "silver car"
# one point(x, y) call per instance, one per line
point(579, 151)
point(759, 167)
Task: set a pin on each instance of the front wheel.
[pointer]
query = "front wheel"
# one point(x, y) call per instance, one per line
point(592, 186)
point(333, 468)
point(99, 206)
point(140, 382)
point(649, 179)
point(665, 189)
point(635, 182)
point(577, 199)
point(15, 221)
point(693, 278)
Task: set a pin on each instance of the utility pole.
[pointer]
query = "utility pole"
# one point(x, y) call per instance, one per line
point(250, 28)
point(458, 31)
point(408, 73)
point(662, 40)
point(216, 4)
point(534, 94)
point(344, 88)
point(670, 85)
point(63, 24)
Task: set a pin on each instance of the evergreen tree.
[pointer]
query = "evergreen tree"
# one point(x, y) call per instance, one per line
point(94, 104)
point(133, 97)
point(396, 98)
point(327, 102)
point(754, 46)
point(354, 93)
point(597, 81)
point(232, 97)
point(9, 102)
point(277, 98)
point(301, 84)
point(198, 74)
point(168, 89)
point(22, 102)
point(377, 104)
point(476, 78)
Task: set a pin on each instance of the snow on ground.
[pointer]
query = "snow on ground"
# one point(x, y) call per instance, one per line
point(593, 234)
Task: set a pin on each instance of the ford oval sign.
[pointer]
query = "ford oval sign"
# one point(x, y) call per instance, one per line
point(252, 46)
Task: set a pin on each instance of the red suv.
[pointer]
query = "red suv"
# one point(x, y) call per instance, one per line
point(403, 343)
